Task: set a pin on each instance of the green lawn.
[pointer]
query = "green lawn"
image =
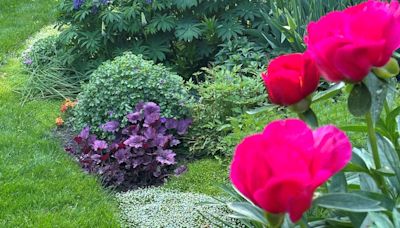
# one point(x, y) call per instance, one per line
point(40, 185)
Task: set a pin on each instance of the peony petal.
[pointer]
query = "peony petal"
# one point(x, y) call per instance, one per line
point(291, 193)
point(355, 61)
point(293, 132)
point(333, 152)
point(249, 168)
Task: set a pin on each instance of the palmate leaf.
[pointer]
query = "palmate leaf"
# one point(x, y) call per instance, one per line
point(185, 4)
point(229, 29)
point(163, 22)
point(187, 30)
point(90, 41)
point(248, 10)
point(157, 47)
point(111, 16)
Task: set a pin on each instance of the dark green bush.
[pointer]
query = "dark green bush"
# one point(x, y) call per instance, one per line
point(182, 33)
point(224, 94)
point(117, 86)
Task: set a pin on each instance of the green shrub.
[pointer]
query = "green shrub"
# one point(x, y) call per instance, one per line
point(183, 34)
point(117, 86)
point(158, 207)
point(242, 53)
point(224, 94)
point(202, 176)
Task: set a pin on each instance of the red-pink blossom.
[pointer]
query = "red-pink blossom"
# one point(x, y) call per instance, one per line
point(280, 168)
point(291, 78)
point(347, 44)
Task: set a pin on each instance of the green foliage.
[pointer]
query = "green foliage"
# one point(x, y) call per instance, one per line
point(224, 94)
point(117, 86)
point(183, 34)
point(203, 176)
point(328, 112)
point(288, 19)
point(246, 55)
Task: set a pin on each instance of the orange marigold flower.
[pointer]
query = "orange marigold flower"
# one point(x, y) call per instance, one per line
point(59, 121)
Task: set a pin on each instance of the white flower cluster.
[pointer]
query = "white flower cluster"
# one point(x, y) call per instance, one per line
point(158, 207)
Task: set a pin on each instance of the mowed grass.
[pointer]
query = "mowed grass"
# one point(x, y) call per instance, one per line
point(40, 185)
point(21, 18)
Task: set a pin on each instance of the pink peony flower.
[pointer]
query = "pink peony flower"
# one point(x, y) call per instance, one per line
point(291, 78)
point(347, 44)
point(280, 168)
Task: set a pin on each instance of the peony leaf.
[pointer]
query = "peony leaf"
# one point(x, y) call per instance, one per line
point(378, 89)
point(351, 202)
point(360, 100)
point(248, 211)
point(331, 92)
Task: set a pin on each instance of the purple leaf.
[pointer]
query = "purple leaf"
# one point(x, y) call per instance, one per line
point(150, 133)
point(150, 108)
point(85, 133)
point(183, 126)
point(122, 156)
point(134, 117)
point(166, 157)
point(110, 126)
point(171, 123)
point(180, 170)
point(135, 141)
point(99, 145)
point(162, 140)
point(174, 142)
point(139, 107)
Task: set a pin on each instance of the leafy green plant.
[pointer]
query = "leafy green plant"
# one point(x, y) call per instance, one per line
point(243, 54)
point(183, 34)
point(117, 86)
point(223, 95)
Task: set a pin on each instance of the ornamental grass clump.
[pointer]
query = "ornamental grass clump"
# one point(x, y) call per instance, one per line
point(140, 154)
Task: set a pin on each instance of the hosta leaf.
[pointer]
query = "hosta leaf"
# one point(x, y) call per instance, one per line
point(229, 29)
point(187, 30)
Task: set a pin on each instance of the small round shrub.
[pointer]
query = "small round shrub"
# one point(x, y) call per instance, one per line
point(118, 85)
point(157, 207)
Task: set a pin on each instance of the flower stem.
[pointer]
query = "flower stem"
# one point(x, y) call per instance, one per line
point(375, 152)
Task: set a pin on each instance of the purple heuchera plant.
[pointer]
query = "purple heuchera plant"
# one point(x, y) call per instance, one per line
point(110, 126)
point(141, 153)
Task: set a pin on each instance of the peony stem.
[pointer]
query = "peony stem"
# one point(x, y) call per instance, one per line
point(375, 152)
